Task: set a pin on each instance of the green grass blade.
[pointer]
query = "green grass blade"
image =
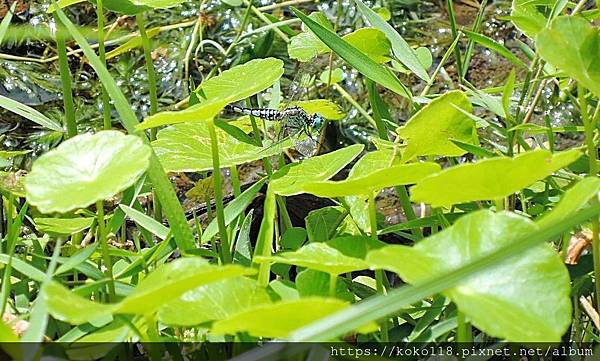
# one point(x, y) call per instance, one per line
point(146, 222)
point(495, 46)
point(6, 21)
point(29, 113)
point(164, 190)
point(376, 72)
point(402, 50)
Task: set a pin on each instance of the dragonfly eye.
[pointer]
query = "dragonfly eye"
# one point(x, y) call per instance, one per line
point(317, 121)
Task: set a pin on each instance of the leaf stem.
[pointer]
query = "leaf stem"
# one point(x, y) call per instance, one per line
point(379, 274)
point(225, 251)
point(463, 331)
point(592, 152)
point(332, 284)
point(11, 242)
point(105, 252)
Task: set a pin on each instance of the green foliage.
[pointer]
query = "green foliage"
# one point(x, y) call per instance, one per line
point(430, 131)
point(290, 180)
point(216, 301)
point(355, 57)
point(572, 45)
point(165, 284)
point(459, 194)
point(62, 225)
point(492, 300)
point(531, 16)
point(29, 113)
point(318, 256)
point(401, 48)
point(280, 319)
point(364, 184)
point(186, 148)
point(480, 181)
point(230, 86)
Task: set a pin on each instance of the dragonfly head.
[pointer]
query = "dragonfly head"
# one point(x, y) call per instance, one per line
point(317, 121)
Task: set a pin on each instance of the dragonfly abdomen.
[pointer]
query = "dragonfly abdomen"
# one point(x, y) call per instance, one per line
point(263, 113)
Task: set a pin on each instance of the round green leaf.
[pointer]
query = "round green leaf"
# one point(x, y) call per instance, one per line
point(425, 57)
point(490, 179)
point(318, 256)
point(290, 180)
point(230, 86)
point(337, 75)
point(186, 148)
point(280, 319)
point(372, 42)
point(504, 301)
point(305, 46)
point(572, 45)
point(215, 301)
point(385, 13)
point(373, 181)
point(86, 169)
point(430, 131)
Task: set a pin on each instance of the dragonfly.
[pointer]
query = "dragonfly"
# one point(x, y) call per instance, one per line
point(294, 121)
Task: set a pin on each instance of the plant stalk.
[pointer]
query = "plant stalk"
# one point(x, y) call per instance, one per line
point(379, 274)
point(592, 151)
point(105, 251)
point(225, 251)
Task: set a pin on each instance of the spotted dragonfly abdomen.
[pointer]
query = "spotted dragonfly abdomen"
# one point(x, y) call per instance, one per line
point(263, 113)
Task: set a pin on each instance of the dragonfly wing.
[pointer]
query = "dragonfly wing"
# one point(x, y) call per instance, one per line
point(307, 146)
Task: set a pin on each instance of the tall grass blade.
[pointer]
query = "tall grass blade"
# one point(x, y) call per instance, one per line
point(376, 72)
point(401, 48)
